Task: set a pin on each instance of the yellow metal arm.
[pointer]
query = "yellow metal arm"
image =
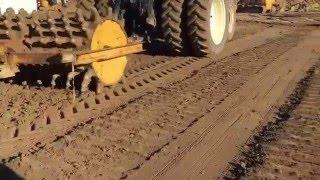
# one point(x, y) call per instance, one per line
point(107, 53)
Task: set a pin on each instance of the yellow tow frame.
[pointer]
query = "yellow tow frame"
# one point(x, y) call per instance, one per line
point(44, 3)
point(269, 4)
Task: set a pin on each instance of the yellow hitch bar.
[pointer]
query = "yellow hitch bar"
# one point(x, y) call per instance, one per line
point(109, 55)
point(78, 58)
point(106, 54)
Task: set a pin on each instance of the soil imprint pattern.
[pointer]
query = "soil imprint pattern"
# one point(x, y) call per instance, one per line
point(113, 145)
point(23, 104)
point(295, 152)
point(287, 148)
point(58, 121)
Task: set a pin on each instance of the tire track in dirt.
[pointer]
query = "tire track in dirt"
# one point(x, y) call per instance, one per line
point(293, 152)
point(20, 105)
point(58, 121)
point(113, 145)
point(287, 147)
point(204, 150)
point(23, 104)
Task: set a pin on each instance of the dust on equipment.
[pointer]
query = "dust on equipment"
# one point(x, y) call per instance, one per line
point(94, 37)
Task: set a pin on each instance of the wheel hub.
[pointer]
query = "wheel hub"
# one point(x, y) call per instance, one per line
point(217, 20)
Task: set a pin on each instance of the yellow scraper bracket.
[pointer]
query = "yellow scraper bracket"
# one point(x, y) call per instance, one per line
point(269, 4)
point(44, 3)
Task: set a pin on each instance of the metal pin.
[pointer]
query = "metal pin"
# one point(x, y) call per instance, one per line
point(73, 86)
point(70, 78)
point(25, 84)
point(99, 87)
point(53, 81)
point(124, 80)
point(87, 80)
point(39, 82)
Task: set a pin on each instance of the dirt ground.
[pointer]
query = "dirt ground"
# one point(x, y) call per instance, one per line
point(295, 152)
point(287, 148)
point(170, 117)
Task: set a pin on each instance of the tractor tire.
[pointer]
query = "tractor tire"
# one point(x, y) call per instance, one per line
point(207, 22)
point(232, 8)
point(171, 25)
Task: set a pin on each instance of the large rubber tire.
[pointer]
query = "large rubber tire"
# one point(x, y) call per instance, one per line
point(205, 40)
point(232, 8)
point(171, 25)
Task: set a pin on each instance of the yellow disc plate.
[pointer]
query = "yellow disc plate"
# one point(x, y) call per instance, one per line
point(109, 34)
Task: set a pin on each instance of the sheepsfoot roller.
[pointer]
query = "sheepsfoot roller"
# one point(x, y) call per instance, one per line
point(106, 59)
point(48, 37)
point(90, 37)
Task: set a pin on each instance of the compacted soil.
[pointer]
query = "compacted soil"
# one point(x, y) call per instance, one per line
point(170, 117)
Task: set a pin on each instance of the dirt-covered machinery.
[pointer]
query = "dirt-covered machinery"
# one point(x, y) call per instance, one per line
point(276, 6)
point(92, 38)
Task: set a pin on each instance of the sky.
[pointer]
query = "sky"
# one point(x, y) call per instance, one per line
point(28, 5)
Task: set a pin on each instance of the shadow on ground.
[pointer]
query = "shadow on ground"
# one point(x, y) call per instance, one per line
point(7, 174)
